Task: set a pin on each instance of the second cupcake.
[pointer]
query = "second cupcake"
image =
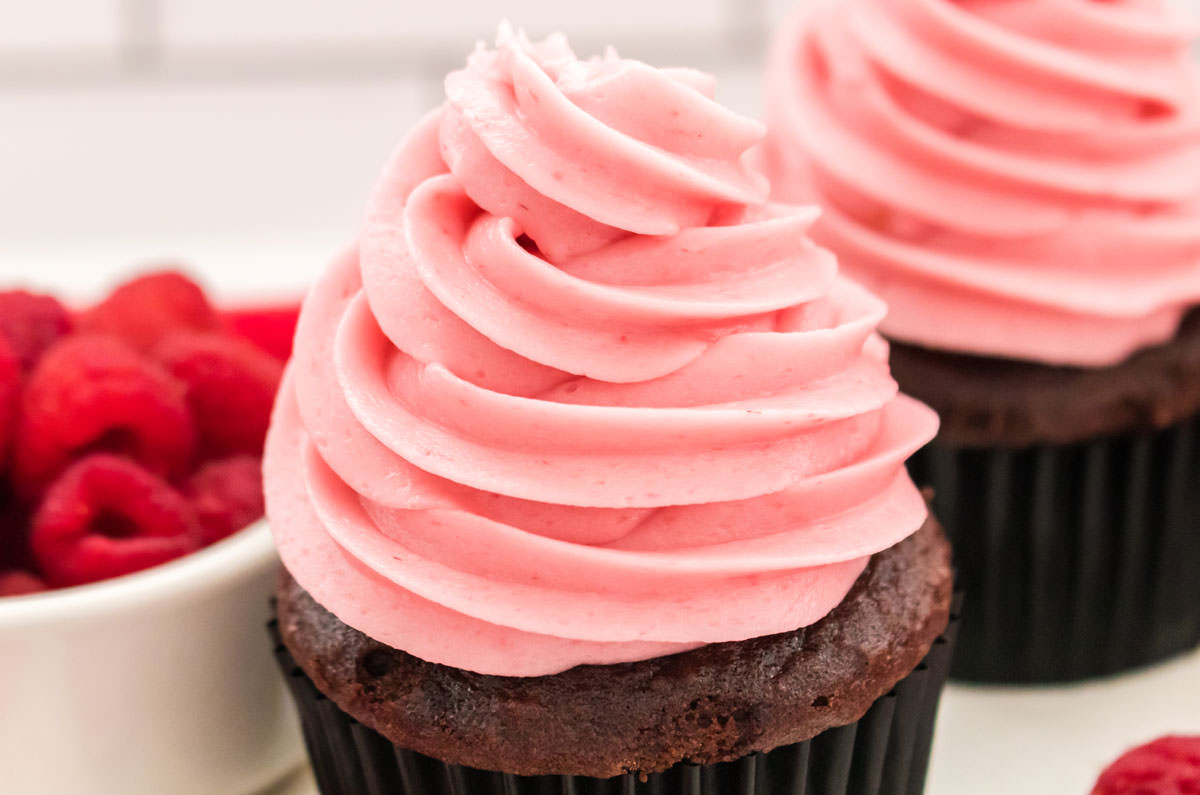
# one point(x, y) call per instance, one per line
point(1020, 181)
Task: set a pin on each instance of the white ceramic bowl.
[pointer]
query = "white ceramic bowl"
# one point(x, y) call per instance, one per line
point(157, 682)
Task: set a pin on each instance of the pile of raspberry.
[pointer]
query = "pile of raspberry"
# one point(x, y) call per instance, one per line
point(1168, 766)
point(131, 432)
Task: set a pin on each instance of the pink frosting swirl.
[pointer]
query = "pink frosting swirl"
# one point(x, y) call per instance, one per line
point(1014, 177)
point(579, 394)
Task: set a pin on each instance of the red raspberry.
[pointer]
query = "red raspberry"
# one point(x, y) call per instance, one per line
point(32, 323)
point(226, 495)
point(1167, 766)
point(20, 583)
point(144, 310)
point(10, 394)
point(92, 394)
point(106, 516)
point(230, 389)
point(269, 327)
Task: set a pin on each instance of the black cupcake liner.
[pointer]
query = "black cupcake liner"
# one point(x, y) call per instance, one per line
point(1077, 560)
point(884, 753)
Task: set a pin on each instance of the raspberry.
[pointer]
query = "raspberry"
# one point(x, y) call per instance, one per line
point(230, 389)
point(20, 583)
point(92, 394)
point(32, 323)
point(10, 393)
point(106, 516)
point(269, 327)
point(143, 311)
point(226, 495)
point(1167, 766)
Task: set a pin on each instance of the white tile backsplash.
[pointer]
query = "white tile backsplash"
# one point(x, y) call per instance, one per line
point(740, 86)
point(261, 124)
point(779, 12)
point(187, 23)
point(194, 161)
point(456, 23)
point(59, 25)
point(57, 41)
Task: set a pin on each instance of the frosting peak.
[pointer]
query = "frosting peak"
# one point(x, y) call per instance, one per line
point(1014, 177)
point(580, 394)
point(566, 148)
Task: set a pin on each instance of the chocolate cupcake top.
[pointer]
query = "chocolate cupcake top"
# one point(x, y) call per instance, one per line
point(708, 705)
point(580, 394)
point(1016, 179)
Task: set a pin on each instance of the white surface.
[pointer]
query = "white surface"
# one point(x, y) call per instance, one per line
point(158, 682)
point(1056, 740)
point(299, 783)
point(59, 25)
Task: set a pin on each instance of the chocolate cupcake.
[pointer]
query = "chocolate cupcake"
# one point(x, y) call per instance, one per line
point(1021, 183)
point(588, 470)
point(810, 699)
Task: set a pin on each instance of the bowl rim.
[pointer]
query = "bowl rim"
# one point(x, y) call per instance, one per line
point(230, 560)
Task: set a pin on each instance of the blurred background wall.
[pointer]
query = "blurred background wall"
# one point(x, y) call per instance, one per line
point(242, 136)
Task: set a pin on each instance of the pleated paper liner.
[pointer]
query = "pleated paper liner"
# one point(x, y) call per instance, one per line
point(884, 753)
point(1077, 560)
